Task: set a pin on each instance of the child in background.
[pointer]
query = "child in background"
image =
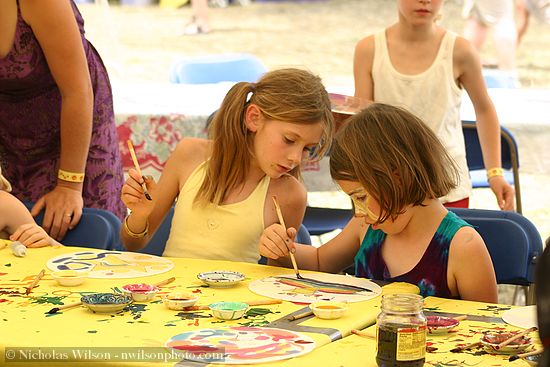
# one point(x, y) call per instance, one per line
point(224, 185)
point(16, 223)
point(394, 169)
point(419, 65)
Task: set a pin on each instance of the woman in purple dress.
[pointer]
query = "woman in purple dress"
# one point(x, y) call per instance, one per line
point(58, 141)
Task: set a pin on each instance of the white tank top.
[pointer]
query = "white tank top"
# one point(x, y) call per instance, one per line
point(432, 95)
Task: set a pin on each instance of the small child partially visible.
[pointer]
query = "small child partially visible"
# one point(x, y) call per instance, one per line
point(17, 223)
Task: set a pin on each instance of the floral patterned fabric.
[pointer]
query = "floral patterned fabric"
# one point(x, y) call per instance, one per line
point(430, 274)
point(30, 106)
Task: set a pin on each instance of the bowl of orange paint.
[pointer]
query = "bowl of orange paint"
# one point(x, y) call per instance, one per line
point(328, 310)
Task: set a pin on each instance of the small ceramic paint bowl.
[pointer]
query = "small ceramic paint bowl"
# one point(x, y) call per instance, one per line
point(106, 302)
point(228, 310)
point(491, 341)
point(69, 278)
point(328, 310)
point(441, 324)
point(178, 301)
point(141, 292)
point(221, 278)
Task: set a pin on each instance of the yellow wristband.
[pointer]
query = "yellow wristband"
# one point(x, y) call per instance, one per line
point(494, 172)
point(134, 234)
point(70, 176)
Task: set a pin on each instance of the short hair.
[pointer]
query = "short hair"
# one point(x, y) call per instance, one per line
point(395, 156)
point(289, 95)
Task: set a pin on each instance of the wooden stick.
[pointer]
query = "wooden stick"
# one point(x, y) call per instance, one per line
point(35, 282)
point(164, 282)
point(64, 307)
point(282, 221)
point(465, 347)
point(136, 165)
point(515, 337)
point(362, 334)
point(460, 318)
point(300, 315)
point(250, 303)
point(523, 355)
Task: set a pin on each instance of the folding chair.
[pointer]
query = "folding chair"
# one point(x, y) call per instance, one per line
point(157, 244)
point(93, 231)
point(509, 157)
point(513, 243)
point(319, 221)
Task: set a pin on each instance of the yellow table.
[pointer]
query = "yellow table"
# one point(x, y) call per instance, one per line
point(361, 351)
point(24, 321)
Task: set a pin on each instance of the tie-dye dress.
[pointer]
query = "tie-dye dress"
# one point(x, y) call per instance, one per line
point(30, 106)
point(430, 274)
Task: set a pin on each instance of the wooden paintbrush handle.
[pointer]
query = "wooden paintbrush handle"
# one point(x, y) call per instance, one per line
point(70, 305)
point(515, 336)
point(35, 281)
point(250, 303)
point(164, 282)
point(264, 302)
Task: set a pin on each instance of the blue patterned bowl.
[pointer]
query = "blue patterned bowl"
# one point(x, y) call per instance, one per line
point(106, 302)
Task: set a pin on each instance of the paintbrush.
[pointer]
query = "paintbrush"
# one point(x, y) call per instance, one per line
point(362, 334)
point(465, 347)
point(282, 221)
point(136, 165)
point(250, 303)
point(64, 307)
point(35, 282)
point(460, 318)
point(164, 282)
point(300, 315)
point(522, 355)
point(515, 337)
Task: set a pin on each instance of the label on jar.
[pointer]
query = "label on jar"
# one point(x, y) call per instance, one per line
point(411, 343)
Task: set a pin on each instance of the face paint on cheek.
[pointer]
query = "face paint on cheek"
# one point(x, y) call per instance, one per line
point(362, 207)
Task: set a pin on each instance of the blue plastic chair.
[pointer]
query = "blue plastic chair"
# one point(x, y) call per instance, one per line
point(319, 221)
point(513, 243)
point(217, 68)
point(157, 244)
point(93, 231)
point(509, 158)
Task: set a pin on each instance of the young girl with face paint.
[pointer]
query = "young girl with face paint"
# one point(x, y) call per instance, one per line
point(394, 169)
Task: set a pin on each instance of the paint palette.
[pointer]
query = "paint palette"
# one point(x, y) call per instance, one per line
point(221, 278)
point(441, 324)
point(241, 345)
point(111, 264)
point(316, 287)
point(491, 341)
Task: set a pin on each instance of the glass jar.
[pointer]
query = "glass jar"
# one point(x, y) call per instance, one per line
point(401, 331)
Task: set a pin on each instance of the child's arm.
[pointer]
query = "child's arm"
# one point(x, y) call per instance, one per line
point(150, 213)
point(16, 220)
point(333, 256)
point(470, 268)
point(362, 68)
point(468, 66)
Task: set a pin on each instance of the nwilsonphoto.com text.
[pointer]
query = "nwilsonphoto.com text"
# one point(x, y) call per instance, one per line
point(82, 354)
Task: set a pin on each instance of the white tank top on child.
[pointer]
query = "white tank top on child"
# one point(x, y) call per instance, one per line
point(431, 95)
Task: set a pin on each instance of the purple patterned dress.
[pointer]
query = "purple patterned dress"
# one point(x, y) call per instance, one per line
point(30, 107)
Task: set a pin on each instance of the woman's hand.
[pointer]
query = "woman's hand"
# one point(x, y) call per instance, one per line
point(133, 194)
point(63, 210)
point(275, 243)
point(504, 193)
point(32, 235)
